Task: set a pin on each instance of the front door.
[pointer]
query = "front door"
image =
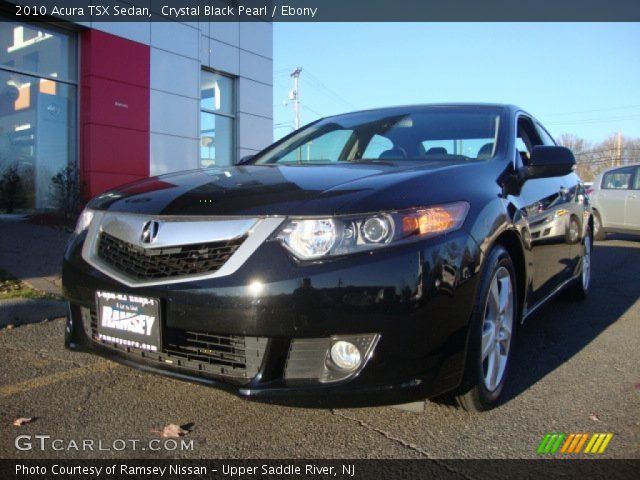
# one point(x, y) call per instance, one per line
point(545, 204)
point(612, 197)
point(632, 206)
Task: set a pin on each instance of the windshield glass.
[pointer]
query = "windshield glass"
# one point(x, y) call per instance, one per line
point(436, 133)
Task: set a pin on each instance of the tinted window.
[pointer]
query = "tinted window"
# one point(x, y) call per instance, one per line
point(436, 133)
point(544, 135)
point(323, 148)
point(479, 148)
point(636, 183)
point(376, 146)
point(617, 179)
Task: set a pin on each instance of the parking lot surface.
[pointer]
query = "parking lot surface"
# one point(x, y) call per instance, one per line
point(576, 369)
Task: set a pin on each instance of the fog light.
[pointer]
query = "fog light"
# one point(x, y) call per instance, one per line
point(345, 355)
point(329, 359)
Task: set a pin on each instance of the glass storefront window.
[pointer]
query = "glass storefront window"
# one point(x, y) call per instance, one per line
point(216, 140)
point(37, 49)
point(37, 108)
point(216, 92)
point(217, 120)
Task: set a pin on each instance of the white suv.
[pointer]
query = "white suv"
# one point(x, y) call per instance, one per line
point(616, 201)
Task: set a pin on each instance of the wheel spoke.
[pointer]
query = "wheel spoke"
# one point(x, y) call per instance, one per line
point(494, 299)
point(488, 342)
point(493, 369)
point(505, 295)
point(506, 329)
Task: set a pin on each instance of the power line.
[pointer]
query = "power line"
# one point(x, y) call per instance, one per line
point(557, 114)
point(312, 110)
point(589, 121)
point(320, 85)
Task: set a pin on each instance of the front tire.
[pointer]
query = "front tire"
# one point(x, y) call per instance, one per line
point(598, 230)
point(491, 335)
point(580, 288)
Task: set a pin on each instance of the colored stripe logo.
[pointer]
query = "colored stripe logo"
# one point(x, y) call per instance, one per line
point(573, 443)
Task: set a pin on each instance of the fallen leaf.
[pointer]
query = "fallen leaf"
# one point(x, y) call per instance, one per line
point(171, 431)
point(18, 422)
point(594, 417)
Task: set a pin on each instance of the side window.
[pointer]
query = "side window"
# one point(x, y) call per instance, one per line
point(521, 146)
point(544, 135)
point(617, 179)
point(527, 138)
point(636, 183)
point(325, 148)
point(376, 146)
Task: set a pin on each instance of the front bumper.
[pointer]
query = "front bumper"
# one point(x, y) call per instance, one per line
point(417, 297)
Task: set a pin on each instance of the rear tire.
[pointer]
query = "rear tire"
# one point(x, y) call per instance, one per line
point(598, 230)
point(491, 335)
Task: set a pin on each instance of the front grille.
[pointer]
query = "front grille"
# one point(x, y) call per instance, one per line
point(229, 357)
point(165, 262)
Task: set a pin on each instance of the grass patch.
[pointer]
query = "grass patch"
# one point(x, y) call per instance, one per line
point(11, 287)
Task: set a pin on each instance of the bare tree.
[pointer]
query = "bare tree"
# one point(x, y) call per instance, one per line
point(591, 159)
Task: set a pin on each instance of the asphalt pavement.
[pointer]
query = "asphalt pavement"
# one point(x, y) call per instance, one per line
point(576, 369)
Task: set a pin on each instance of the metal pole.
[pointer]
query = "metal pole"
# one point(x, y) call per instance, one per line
point(296, 97)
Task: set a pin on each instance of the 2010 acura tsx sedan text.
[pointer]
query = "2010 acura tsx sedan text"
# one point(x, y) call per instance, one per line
point(376, 257)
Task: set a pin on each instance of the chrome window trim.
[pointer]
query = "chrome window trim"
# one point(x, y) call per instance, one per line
point(180, 231)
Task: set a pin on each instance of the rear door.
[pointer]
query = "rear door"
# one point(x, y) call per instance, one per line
point(632, 206)
point(612, 198)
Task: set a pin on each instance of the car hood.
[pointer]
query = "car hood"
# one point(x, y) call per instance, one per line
point(270, 190)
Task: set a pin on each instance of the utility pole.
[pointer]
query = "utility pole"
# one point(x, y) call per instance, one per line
point(619, 149)
point(294, 95)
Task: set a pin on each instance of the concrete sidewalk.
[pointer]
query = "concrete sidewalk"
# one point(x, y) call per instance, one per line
point(33, 254)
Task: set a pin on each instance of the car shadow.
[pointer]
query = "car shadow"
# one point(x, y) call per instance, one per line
point(562, 328)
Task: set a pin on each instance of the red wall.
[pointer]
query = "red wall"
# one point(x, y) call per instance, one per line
point(114, 111)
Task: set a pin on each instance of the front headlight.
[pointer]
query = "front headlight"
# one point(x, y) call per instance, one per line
point(313, 238)
point(84, 220)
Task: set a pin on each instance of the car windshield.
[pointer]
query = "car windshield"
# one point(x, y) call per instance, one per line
point(395, 135)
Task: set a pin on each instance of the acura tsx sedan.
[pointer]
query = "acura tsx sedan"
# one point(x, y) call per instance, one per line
point(377, 257)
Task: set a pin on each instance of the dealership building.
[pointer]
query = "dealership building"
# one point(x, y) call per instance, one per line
point(124, 100)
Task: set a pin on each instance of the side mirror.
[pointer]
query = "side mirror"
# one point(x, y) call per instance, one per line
point(246, 159)
point(548, 161)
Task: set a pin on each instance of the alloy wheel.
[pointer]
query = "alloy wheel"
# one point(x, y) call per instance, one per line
point(574, 231)
point(497, 328)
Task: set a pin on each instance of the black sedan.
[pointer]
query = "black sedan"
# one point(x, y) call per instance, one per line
point(376, 257)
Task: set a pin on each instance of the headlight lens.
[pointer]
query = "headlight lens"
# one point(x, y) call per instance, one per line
point(84, 220)
point(314, 238)
point(376, 229)
point(310, 238)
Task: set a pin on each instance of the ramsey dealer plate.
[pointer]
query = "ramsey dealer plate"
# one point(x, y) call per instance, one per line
point(129, 320)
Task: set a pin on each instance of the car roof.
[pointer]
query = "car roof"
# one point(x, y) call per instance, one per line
point(417, 107)
point(608, 169)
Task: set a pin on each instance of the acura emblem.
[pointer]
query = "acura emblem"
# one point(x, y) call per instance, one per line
point(149, 231)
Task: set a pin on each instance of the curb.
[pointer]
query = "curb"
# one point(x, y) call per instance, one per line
point(21, 311)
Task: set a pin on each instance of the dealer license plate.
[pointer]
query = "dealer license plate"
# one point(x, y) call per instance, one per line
point(129, 320)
